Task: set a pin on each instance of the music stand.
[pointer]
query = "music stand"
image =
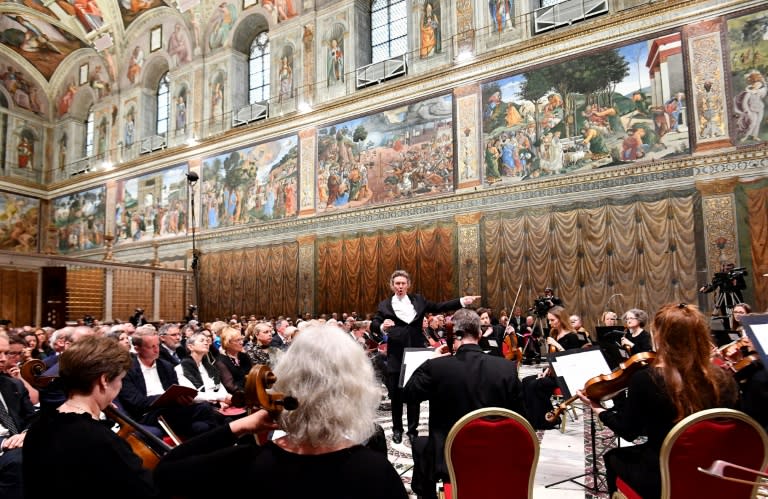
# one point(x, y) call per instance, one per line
point(573, 368)
point(609, 340)
point(756, 329)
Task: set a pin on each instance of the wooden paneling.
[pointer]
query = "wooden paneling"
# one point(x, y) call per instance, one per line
point(18, 296)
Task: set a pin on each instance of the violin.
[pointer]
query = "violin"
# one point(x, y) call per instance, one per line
point(32, 371)
point(606, 386)
point(450, 336)
point(258, 394)
point(741, 361)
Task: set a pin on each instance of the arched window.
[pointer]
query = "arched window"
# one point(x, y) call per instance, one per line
point(258, 69)
point(89, 133)
point(163, 104)
point(389, 29)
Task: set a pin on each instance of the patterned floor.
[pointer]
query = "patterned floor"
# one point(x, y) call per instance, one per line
point(565, 461)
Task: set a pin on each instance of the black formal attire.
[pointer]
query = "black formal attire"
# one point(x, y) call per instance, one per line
point(21, 412)
point(456, 385)
point(277, 342)
point(88, 460)
point(648, 411)
point(493, 342)
point(642, 341)
point(234, 370)
point(538, 391)
point(399, 337)
point(518, 323)
point(173, 355)
point(185, 420)
point(353, 473)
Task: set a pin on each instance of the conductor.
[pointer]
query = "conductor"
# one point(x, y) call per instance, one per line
point(400, 319)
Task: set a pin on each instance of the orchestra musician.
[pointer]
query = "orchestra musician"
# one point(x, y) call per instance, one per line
point(636, 339)
point(681, 380)
point(89, 459)
point(456, 385)
point(320, 454)
point(400, 318)
point(538, 389)
point(739, 311)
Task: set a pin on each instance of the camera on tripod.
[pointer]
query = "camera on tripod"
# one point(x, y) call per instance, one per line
point(541, 306)
point(724, 280)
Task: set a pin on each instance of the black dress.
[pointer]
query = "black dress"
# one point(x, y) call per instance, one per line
point(353, 473)
point(648, 411)
point(88, 460)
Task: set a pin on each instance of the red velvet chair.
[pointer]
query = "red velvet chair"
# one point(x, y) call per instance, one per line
point(697, 441)
point(497, 436)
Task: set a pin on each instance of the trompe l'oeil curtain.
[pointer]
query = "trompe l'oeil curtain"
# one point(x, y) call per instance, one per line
point(632, 253)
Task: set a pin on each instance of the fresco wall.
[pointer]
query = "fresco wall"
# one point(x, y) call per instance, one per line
point(599, 110)
point(401, 153)
point(79, 220)
point(255, 183)
point(748, 43)
point(19, 222)
point(152, 206)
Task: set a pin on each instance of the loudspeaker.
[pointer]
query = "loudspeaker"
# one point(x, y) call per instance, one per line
point(54, 297)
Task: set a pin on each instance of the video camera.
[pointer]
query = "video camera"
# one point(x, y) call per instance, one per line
point(724, 280)
point(541, 305)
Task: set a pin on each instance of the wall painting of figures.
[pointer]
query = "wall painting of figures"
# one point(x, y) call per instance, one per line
point(748, 43)
point(79, 220)
point(251, 184)
point(590, 112)
point(41, 43)
point(19, 221)
point(152, 206)
point(400, 153)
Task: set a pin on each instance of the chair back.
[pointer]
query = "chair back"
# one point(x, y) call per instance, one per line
point(495, 437)
point(700, 439)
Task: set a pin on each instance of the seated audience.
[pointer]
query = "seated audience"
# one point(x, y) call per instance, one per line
point(200, 372)
point(234, 363)
point(16, 414)
point(148, 378)
point(320, 454)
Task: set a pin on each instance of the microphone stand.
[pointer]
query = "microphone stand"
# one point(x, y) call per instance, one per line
point(191, 182)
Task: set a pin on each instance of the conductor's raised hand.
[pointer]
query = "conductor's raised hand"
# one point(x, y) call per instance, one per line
point(469, 300)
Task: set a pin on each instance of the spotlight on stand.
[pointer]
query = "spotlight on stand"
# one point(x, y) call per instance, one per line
point(192, 177)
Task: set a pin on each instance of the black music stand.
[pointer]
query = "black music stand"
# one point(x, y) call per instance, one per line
point(573, 369)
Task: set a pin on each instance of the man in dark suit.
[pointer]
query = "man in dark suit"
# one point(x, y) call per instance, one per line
point(278, 340)
point(15, 417)
point(148, 379)
point(400, 318)
point(456, 385)
point(171, 348)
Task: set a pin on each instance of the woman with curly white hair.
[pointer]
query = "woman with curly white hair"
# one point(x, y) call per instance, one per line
point(320, 454)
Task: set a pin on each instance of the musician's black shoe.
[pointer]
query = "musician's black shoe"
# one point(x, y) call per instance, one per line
point(397, 436)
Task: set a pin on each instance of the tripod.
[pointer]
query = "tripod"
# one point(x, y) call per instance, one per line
point(724, 302)
point(598, 479)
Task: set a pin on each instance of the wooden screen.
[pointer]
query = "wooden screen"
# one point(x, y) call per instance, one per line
point(18, 296)
point(85, 293)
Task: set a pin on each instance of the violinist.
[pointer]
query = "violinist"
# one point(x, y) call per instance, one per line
point(320, 454)
point(739, 311)
point(90, 460)
point(492, 338)
point(538, 389)
point(680, 381)
point(636, 339)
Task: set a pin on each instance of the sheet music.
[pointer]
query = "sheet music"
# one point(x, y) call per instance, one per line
point(579, 366)
point(412, 359)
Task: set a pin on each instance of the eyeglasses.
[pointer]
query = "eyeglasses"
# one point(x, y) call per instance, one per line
point(12, 353)
point(630, 318)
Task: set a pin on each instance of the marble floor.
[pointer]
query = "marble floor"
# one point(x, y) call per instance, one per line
point(562, 455)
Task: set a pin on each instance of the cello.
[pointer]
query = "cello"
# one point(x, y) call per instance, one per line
point(606, 386)
point(258, 394)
